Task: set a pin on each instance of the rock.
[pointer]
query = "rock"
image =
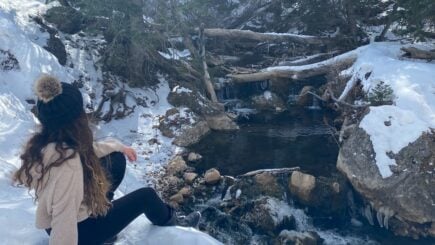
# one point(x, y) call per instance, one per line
point(172, 183)
point(265, 214)
point(304, 98)
point(253, 185)
point(302, 185)
point(67, 19)
point(57, 48)
point(194, 157)
point(299, 238)
point(191, 98)
point(268, 101)
point(176, 121)
point(176, 166)
point(407, 194)
point(227, 228)
point(8, 61)
point(192, 135)
point(189, 177)
point(177, 198)
point(212, 176)
point(268, 184)
point(185, 191)
point(221, 122)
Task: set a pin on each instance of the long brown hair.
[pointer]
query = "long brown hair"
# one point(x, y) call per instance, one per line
point(76, 137)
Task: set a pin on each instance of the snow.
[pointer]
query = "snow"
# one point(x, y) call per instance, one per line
point(413, 112)
point(23, 38)
point(267, 95)
point(174, 54)
point(178, 89)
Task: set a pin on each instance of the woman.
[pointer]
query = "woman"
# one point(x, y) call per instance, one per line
point(73, 187)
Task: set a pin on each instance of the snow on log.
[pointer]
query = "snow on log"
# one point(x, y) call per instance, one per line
point(415, 53)
point(308, 59)
point(235, 34)
point(340, 62)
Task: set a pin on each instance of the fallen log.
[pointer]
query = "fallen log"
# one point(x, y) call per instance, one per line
point(271, 171)
point(236, 34)
point(415, 53)
point(340, 62)
point(308, 59)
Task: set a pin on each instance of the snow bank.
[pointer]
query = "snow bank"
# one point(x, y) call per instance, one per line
point(413, 111)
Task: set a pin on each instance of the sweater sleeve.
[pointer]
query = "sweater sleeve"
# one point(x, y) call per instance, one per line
point(107, 146)
point(66, 199)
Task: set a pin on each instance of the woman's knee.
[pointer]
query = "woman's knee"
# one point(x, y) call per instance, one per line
point(147, 193)
point(118, 158)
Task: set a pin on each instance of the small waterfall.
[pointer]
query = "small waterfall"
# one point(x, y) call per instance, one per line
point(315, 104)
point(293, 96)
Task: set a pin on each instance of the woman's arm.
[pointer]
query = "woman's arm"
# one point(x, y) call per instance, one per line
point(65, 204)
point(109, 145)
point(105, 147)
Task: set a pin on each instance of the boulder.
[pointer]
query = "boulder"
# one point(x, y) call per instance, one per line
point(194, 157)
point(262, 183)
point(302, 185)
point(268, 215)
point(268, 101)
point(176, 166)
point(268, 184)
point(67, 19)
point(177, 198)
point(221, 122)
point(407, 195)
point(288, 237)
point(212, 176)
point(192, 135)
point(57, 48)
point(185, 191)
point(189, 177)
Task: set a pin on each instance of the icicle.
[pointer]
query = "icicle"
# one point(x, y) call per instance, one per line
point(368, 214)
point(388, 214)
point(379, 216)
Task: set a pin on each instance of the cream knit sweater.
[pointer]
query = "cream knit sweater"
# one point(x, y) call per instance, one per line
point(60, 201)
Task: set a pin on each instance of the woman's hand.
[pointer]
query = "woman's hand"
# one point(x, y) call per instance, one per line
point(130, 153)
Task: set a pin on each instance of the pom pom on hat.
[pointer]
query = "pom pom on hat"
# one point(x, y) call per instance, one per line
point(58, 104)
point(47, 88)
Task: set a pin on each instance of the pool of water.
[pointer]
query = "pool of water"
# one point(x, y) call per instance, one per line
point(271, 142)
point(288, 140)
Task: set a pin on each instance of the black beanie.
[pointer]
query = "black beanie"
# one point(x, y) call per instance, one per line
point(58, 103)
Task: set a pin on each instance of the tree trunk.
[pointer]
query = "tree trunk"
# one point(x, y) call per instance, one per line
point(340, 62)
point(207, 79)
point(416, 53)
point(235, 34)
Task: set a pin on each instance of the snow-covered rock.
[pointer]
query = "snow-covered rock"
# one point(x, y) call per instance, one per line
point(389, 156)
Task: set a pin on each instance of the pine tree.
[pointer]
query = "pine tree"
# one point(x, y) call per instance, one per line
point(381, 94)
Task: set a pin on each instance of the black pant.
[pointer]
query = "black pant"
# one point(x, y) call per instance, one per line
point(93, 231)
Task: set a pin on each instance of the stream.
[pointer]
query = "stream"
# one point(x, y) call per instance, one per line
point(291, 140)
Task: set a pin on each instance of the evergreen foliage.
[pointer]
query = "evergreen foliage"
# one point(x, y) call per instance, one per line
point(416, 18)
point(381, 94)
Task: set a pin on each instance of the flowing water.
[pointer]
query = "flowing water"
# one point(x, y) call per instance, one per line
point(292, 139)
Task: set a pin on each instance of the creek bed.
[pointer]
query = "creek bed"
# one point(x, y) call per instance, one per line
point(288, 140)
